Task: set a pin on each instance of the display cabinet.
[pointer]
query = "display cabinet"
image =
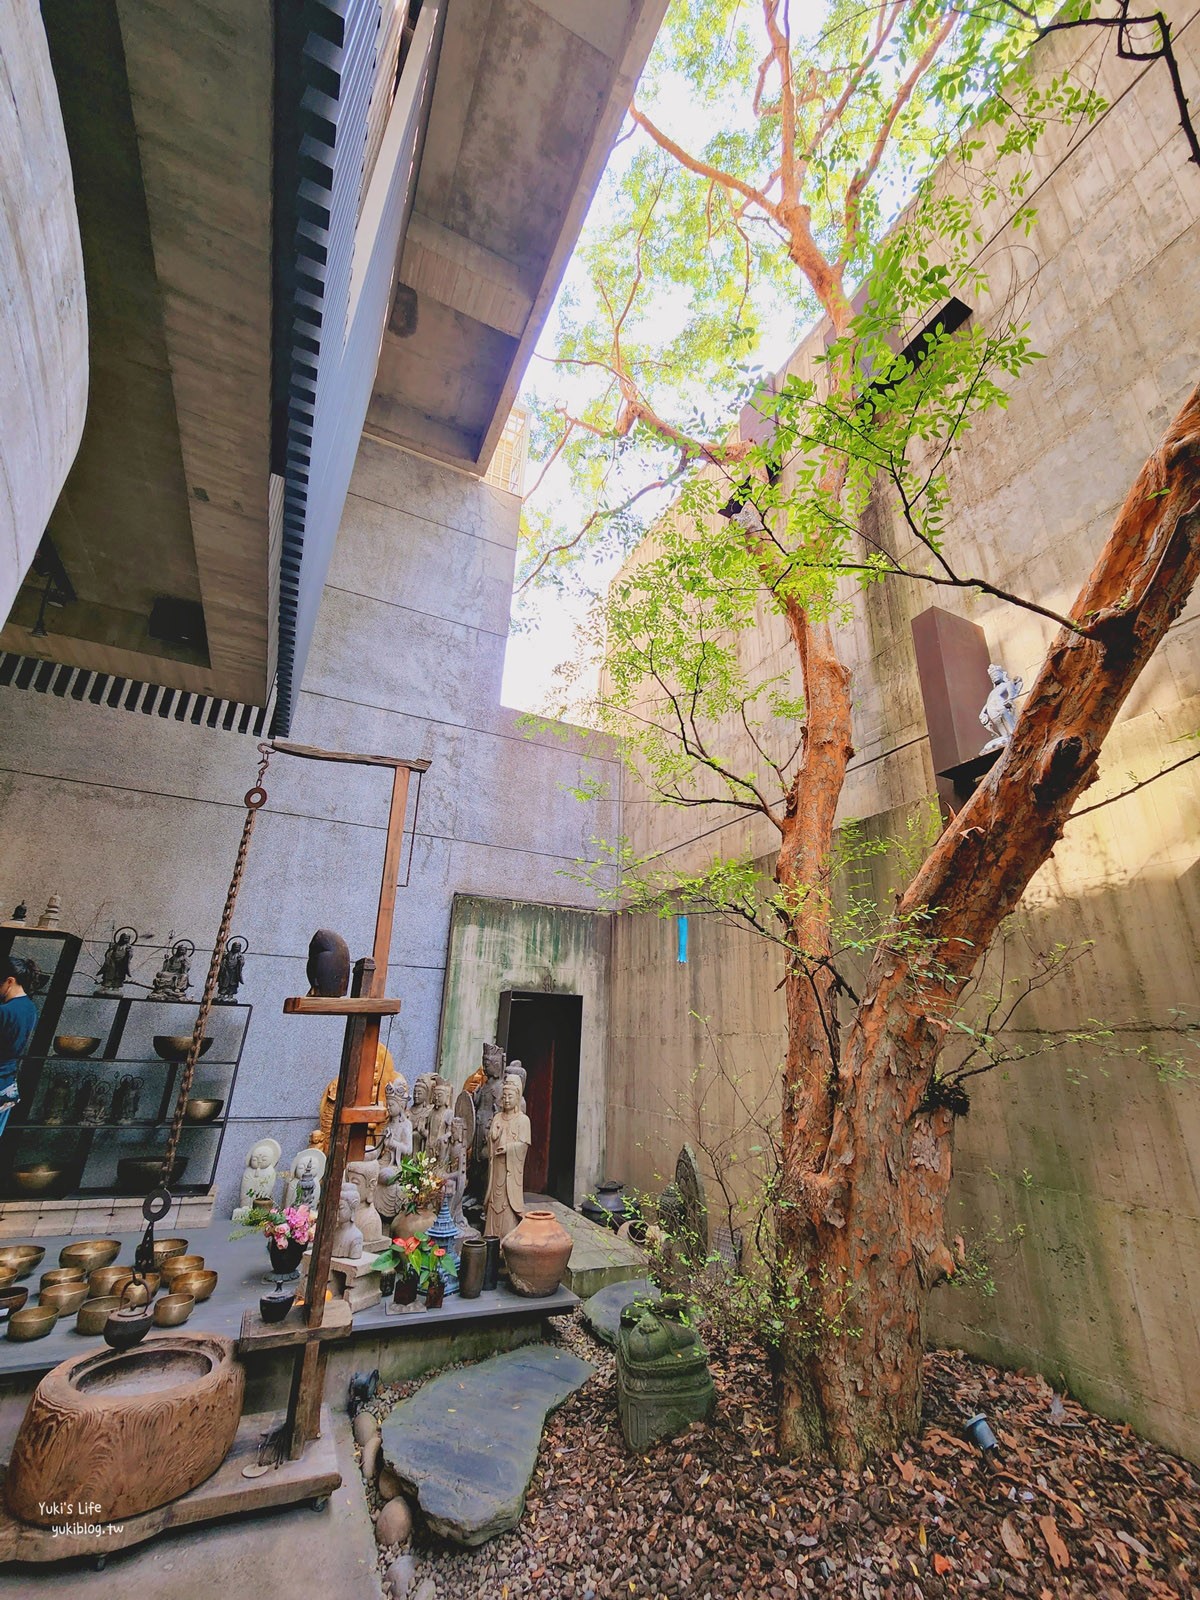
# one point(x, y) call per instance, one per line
point(99, 1086)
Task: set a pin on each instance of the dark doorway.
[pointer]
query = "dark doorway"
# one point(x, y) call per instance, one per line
point(542, 1032)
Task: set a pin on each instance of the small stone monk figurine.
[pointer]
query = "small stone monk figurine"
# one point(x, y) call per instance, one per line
point(508, 1144)
point(259, 1178)
point(347, 1239)
point(304, 1185)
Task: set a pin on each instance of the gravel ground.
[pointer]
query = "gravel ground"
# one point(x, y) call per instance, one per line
point(1076, 1508)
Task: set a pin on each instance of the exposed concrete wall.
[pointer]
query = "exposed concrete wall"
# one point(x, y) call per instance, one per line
point(135, 819)
point(502, 944)
point(1090, 1151)
point(43, 310)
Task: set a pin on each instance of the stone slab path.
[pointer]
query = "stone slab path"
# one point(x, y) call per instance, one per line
point(602, 1312)
point(465, 1444)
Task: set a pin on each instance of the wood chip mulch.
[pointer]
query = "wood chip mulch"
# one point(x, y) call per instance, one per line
point(1075, 1508)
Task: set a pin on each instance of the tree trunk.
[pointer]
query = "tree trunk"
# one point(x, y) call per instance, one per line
point(866, 1221)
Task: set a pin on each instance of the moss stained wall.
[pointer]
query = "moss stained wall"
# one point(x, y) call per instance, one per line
point(512, 944)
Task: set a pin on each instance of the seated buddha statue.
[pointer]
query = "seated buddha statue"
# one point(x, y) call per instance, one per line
point(385, 1071)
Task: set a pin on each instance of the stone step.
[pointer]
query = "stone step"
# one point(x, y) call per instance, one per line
point(466, 1443)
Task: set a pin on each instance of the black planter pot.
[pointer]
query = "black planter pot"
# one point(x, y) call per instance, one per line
point(491, 1268)
point(285, 1257)
point(275, 1306)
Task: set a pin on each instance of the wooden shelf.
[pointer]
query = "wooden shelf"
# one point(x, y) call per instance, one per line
point(318, 1005)
point(293, 1330)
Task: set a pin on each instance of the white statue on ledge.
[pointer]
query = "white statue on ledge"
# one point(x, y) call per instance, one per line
point(259, 1179)
point(999, 715)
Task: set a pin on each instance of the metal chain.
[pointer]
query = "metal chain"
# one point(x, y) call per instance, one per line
point(255, 800)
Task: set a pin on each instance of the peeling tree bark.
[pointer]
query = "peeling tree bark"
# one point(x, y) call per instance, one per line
point(867, 1167)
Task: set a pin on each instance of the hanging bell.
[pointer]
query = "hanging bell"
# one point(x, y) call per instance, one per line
point(132, 1320)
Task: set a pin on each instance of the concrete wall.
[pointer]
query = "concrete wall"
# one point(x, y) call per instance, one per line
point(499, 945)
point(1090, 1150)
point(43, 310)
point(135, 819)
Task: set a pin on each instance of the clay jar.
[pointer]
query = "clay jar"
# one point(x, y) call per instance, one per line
point(536, 1252)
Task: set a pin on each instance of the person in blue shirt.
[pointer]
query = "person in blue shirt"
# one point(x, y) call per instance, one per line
point(18, 1018)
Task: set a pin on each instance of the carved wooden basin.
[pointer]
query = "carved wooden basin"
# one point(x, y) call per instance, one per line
point(124, 1432)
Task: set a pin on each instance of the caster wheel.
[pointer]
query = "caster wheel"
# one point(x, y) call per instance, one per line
point(320, 1502)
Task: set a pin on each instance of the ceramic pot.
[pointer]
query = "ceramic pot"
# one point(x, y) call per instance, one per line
point(491, 1269)
point(536, 1252)
point(405, 1292)
point(275, 1306)
point(435, 1293)
point(412, 1224)
point(286, 1257)
point(606, 1208)
point(471, 1268)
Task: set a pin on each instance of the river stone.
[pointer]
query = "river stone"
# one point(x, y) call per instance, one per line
point(394, 1523)
point(401, 1575)
point(602, 1311)
point(466, 1443)
point(370, 1458)
point(366, 1426)
point(388, 1485)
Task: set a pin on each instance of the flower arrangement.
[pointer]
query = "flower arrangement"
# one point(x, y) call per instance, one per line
point(419, 1256)
point(292, 1225)
point(419, 1181)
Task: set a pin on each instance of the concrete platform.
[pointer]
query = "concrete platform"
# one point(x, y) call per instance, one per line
point(266, 1556)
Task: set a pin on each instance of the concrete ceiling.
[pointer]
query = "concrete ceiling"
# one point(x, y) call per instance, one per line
point(169, 126)
point(530, 96)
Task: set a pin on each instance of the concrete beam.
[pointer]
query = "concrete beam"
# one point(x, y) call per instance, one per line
point(465, 277)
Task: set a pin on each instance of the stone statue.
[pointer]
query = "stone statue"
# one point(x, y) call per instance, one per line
point(422, 1108)
point(395, 1143)
point(385, 1071)
point(456, 1177)
point(508, 1144)
point(347, 1237)
point(259, 1178)
point(229, 973)
point(487, 1097)
point(173, 979)
point(364, 1175)
point(304, 1185)
point(516, 1069)
point(999, 715)
point(438, 1129)
point(117, 963)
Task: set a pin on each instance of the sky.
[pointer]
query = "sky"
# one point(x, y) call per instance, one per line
point(549, 636)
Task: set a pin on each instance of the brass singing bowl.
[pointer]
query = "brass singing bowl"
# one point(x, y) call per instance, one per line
point(175, 1046)
point(8, 1276)
point(174, 1309)
point(23, 1257)
point(32, 1322)
point(63, 1275)
point(111, 1280)
point(90, 1254)
point(12, 1299)
point(202, 1110)
point(164, 1248)
point(38, 1178)
point(74, 1045)
point(174, 1265)
point(196, 1283)
point(66, 1298)
point(93, 1313)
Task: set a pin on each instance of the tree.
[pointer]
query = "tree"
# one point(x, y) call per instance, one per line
point(799, 187)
